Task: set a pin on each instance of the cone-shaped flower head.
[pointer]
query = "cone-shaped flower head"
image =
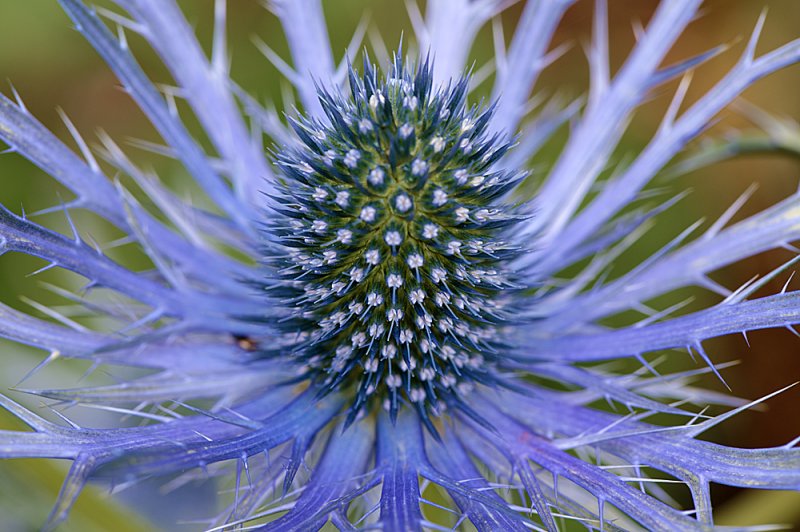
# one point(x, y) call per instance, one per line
point(391, 244)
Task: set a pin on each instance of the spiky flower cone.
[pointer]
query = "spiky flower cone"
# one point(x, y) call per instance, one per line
point(392, 240)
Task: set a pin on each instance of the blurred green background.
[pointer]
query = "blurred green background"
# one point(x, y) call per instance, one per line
point(52, 66)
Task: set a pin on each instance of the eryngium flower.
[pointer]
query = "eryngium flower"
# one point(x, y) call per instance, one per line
point(373, 310)
point(390, 243)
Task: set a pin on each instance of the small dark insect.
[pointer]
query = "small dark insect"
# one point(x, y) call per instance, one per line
point(245, 343)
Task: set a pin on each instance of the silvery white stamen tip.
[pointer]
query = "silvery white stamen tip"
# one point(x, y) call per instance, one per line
point(365, 126)
point(393, 238)
point(393, 381)
point(338, 363)
point(319, 226)
point(439, 197)
point(388, 351)
point(405, 131)
point(356, 275)
point(393, 315)
point(418, 167)
point(453, 247)
point(410, 365)
point(405, 336)
point(343, 350)
point(460, 176)
point(359, 339)
point(374, 299)
point(394, 281)
point(376, 176)
point(462, 213)
point(373, 257)
point(417, 296)
point(448, 380)
point(415, 261)
point(438, 144)
point(417, 395)
point(465, 387)
point(426, 374)
point(403, 203)
point(351, 159)
point(430, 231)
point(344, 236)
point(424, 321)
point(338, 287)
point(482, 215)
point(441, 298)
point(319, 194)
point(376, 99)
point(342, 198)
point(367, 214)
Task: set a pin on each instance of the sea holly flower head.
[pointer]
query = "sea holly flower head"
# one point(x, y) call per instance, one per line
point(370, 312)
point(391, 240)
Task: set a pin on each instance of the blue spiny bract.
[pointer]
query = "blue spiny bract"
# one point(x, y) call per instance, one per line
point(392, 250)
point(396, 274)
